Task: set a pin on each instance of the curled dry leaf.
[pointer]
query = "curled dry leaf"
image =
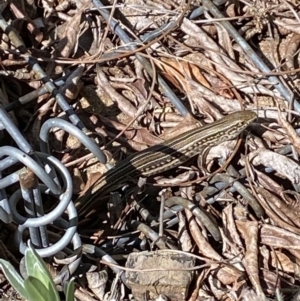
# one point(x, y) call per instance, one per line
point(140, 135)
point(275, 214)
point(275, 137)
point(212, 49)
point(97, 283)
point(70, 35)
point(268, 183)
point(181, 178)
point(279, 238)
point(290, 48)
point(231, 229)
point(288, 24)
point(124, 105)
point(184, 238)
point(295, 139)
point(223, 150)
point(204, 246)
point(208, 102)
point(282, 262)
point(178, 71)
point(279, 205)
point(249, 232)
point(282, 164)
point(186, 124)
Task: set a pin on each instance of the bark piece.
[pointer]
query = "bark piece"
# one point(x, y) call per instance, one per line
point(167, 277)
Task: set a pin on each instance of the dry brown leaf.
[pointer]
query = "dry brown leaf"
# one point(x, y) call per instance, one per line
point(188, 123)
point(124, 105)
point(177, 72)
point(295, 139)
point(290, 50)
point(282, 262)
point(230, 226)
point(275, 137)
point(204, 246)
point(208, 102)
point(268, 183)
point(97, 282)
point(281, 206)
point(270, 281)
point(228, 275)
point(249, 231)
point(184, 238)
point(279, 238)
point(223, 150)
point(70, 36)
point(282, 164)
point(78, 182)
point(35, 34)
point(138, 135)
point(275, 214)
point(289, 24)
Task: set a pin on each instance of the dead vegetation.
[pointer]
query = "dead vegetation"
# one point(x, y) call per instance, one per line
point(139, 72)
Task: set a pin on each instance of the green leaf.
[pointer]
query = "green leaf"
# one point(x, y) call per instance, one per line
point(37, 291)
point(69, 290)
point(14, 278)
point(37, 269)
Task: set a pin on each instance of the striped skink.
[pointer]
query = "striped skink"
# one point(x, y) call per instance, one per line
point(172, 153)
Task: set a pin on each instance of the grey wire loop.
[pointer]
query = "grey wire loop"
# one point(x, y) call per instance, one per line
point(36, 222)
point(65, 197)
point(43, 166)
point(31, 164)
point(8, 162)
point(58, 246)
point(65, 203)
point(5, 212)
point(53, 216)
point(71, 129)
point(77, 249)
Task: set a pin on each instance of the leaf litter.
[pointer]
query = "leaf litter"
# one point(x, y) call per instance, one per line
point(248, 193)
